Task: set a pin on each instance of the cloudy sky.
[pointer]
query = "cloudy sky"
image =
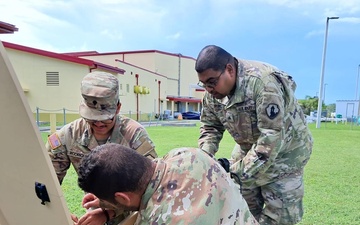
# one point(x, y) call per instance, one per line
point(286, 33)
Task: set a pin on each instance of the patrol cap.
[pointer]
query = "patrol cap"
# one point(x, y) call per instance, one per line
point(100, 92)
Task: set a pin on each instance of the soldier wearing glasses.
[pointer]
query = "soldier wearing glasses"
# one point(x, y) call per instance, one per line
point(255, 103)
point(100, 123)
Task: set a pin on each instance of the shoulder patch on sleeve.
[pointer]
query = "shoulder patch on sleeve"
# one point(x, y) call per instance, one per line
point(54, 141)
point(272, 110)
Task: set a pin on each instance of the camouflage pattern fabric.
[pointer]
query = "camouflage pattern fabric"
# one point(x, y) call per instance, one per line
point(268, 125)
point(283, 200)
point(74, 140)
point(190, 187)
point(100, 92)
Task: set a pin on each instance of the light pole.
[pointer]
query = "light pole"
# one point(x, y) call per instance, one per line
point(357, 85)
point(320, 101)
point(324, 92)
point(356, 92)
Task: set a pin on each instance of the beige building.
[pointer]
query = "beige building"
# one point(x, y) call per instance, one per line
point(151, 82)
point(51, 81)
point(168, 81)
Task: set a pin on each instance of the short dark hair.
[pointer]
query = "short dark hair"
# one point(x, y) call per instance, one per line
point(112, 168)
point(212, 57)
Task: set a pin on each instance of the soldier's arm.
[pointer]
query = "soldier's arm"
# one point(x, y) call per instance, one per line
point(137, 137)
point(141, 142)
point(57, 152)
point(211, 129)
point(270, 115)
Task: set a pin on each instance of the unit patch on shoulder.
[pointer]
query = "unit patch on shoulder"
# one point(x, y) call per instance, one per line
point(54, 141)
point(272, 110)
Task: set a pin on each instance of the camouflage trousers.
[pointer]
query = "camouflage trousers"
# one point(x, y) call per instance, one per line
point(279, 202)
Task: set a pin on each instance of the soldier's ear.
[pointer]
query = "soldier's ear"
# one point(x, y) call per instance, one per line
point(231, 69)
point(123, 198)
point(118, 108)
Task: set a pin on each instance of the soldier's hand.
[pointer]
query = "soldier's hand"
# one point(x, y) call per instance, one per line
point(90, 201)
point(225, 164)
point(74, 219)
point(93, 217)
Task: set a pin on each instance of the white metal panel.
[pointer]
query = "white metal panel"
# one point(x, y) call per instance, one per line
point(24, 160)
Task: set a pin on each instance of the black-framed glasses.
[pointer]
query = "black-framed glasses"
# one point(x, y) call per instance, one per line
point(102, 121)
point(211, 82)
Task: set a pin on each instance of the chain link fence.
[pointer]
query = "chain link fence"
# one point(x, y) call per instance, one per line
point(53, 119)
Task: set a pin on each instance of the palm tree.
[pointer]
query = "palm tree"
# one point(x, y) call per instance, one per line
point(309, 104)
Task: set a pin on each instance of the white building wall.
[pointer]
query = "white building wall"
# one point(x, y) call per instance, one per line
point(347, 108)
point(142, 103)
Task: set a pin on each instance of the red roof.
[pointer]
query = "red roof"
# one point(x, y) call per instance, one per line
point(183, 99)
point(6, 28)
point(78, 54)
point(90, 53)
point(90, 63)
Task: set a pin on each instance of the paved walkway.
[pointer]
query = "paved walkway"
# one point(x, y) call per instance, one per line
point(174, 123)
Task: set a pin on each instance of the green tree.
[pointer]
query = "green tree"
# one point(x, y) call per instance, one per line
point(331, 108)
point(309, 104)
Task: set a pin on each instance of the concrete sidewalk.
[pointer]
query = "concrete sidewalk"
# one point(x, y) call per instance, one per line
point(174, 123)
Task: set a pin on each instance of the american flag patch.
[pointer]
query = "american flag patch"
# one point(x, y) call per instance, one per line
point(54, 141)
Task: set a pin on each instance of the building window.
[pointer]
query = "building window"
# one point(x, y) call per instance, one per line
point(52, 79)
point(127, 88)
point(120, 87)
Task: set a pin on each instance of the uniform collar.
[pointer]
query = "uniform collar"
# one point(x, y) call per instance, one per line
point(154, 182)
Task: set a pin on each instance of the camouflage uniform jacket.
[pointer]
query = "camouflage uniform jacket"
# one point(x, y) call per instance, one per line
point(74, 140)
point(190, 187)
point(264, 119)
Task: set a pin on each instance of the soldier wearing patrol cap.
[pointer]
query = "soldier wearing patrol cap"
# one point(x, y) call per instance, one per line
point(255, 103)
point(100, 123)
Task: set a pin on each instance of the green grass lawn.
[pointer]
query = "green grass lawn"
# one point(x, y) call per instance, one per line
point(332, 176)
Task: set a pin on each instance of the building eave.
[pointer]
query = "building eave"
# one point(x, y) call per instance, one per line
point(90, 63)
point(183, 99)
point(6, 28)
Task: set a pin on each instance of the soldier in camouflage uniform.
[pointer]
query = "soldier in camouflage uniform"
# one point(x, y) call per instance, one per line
point(100, 123)
point(255, 103)
point(186, 186)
